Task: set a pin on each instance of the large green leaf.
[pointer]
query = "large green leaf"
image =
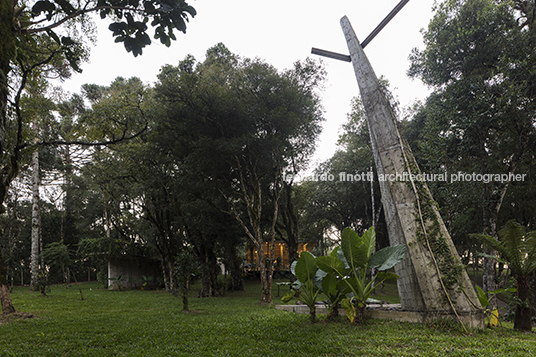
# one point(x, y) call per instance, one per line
point(344, 288)
point(335, 251)
point(388, 257)
point(306, 267)
point(512, 240)
point(353, 284)
point(329, 285)
point(382, 275)
point(516, 248)
point(339, 254)
point(367, 290)
point(332, 265)
point(308, 294)
point(369, 242)
point(288, 296)
point(319, 277)
point(482, 297)
point(531, 252)
point(353, 248)
point(293, 267)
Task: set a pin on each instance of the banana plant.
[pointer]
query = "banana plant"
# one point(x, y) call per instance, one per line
point(349, 264)
point(307, 288)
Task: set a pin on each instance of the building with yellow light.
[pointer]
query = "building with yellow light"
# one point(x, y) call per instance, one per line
point(281, 253)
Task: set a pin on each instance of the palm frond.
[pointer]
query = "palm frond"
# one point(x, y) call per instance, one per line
point(531, 252)
point(515, 246)
point(490, 242)
point(512, 238)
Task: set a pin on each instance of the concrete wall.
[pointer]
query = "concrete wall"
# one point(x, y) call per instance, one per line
point(420, 285)
point(129, 272)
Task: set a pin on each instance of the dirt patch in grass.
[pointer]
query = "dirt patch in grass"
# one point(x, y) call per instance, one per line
point(16, 316)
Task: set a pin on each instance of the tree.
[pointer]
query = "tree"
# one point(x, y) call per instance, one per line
point(517, 248)
point(240, 123)
point(528, 13)
point(38, 109)
point(56, 256)
point(155, 197)
point(15, 249)
point(36, 221)
point(288, 225)
point(480, 118)
point(187, 267)
point(342, 188)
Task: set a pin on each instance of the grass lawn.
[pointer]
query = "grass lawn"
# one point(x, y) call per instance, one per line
point(152, 323)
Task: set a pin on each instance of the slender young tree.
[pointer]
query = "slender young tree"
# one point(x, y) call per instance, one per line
point(36, 221)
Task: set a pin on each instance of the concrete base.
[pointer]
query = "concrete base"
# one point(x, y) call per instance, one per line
point(393, 312)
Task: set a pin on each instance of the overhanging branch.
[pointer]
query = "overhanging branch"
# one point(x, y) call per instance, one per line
point(84, 143)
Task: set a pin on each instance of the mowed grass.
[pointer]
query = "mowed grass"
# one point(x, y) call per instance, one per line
point(152, 323)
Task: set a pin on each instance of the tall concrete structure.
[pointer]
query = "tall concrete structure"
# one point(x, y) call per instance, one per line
point(432, 278)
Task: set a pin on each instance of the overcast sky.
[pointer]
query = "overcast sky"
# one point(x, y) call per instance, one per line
point(281, 32)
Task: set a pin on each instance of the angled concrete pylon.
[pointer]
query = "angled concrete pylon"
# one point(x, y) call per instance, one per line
point(432, 279)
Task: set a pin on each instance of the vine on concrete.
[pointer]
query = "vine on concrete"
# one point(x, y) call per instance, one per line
point(449, 271)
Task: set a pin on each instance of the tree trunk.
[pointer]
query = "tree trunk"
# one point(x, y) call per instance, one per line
point(5, 298)
point(36, 223)
point(254, 211)
point(164, 274)
point(488, 272)
point(523, 316)
point(209, 279)
point(209, 270)
point(236, 281)
point(489, 228)
point(290, 222)
point(7, 53)
point(206, 284)
point(251, 195)
point(171, 272)
point(266, 294)
point(335, 311)
point(7, 306)
point(184, 289)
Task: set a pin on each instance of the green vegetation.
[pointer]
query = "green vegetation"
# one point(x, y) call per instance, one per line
point(518, 250)
point(152, 323)
point(343, 275)
point(479, 118)
point(351, 268)
point(308, 286)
